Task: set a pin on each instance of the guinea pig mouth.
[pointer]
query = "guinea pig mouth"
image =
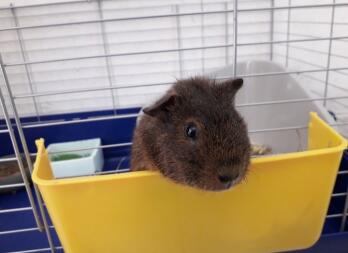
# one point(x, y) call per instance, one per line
point(230, 184)
point(218, 186)
point(209, 183)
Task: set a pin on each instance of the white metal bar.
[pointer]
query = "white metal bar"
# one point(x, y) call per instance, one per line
point(179, 39)
point(226, 35)
point(3, 131)
point(203, 37)
point(61, 3)
point(344, 40)
point(24, 57)
point(235, 37)
point(9, 159)
point(238, 105)
point(106, 48)
point(13, 210)
point(125, 144)
point(46, 4)
point(241, 10)
point(15, 231)
point(111, 171)
point(287, 101)
point(330, 216)
point(341, 194)
point(191, 61)
point(89, 90)
point(16, 149)
point(35, 250)
point(271, 29)
point(169, 83)
point(22, 230)
point(340, 124)
point(6, 186)
point(322, 81)
point(319, 52)
point(312, 64)
point(341, 113)
point(343, 172)
point(292, 41)
point(288, 35)
point(102, 173)
point(135, 114)
point(309, 6)
point(157, 84)
point(313, 22)
point(173, 50)
point(277, 129)
point(250, 131)
point(27, 156)
point(118, 55)
point(345, 213)
point(81, 121)
point(159, 30)
point(292, 72)
point(168, 15)
point(329, 52)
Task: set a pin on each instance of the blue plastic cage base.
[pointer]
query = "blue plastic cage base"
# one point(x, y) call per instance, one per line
point(111, 132)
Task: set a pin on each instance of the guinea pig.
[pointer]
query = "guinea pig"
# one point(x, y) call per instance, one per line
point(194, 136)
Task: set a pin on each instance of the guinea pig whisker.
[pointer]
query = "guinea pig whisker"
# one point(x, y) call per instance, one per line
point(245, 176)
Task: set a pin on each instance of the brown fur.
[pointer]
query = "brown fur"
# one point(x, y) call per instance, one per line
point(222, 146)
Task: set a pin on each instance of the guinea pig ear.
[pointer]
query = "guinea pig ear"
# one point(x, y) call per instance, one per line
point(160, 108)
point(233, 85)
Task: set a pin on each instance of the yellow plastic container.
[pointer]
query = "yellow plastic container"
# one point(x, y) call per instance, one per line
point(282, 206)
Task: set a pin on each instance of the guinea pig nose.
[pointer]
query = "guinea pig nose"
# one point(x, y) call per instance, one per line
point(225, 179)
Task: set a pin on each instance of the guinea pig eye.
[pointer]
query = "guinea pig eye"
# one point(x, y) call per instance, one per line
point(191, 131)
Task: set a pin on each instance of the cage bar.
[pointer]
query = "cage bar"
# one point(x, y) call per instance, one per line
point(27, 157)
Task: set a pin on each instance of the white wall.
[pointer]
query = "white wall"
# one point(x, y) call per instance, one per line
point(167, 33)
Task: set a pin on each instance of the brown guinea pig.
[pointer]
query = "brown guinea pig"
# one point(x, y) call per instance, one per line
point(194, 136)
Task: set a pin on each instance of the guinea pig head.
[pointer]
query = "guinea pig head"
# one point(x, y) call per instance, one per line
point(200, 138)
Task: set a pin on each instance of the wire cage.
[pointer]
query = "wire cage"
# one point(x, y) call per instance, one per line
point(79, 69)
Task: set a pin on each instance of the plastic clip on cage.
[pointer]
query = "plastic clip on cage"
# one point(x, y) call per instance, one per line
point(281, 207)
